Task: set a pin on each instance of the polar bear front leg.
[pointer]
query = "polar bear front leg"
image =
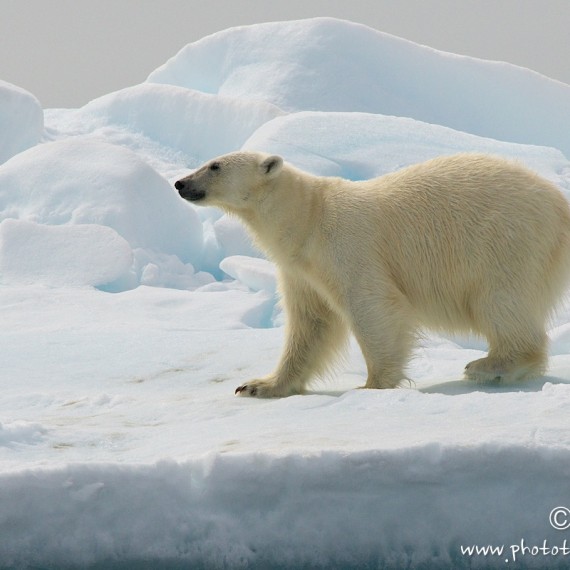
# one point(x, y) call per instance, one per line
point(314, 335)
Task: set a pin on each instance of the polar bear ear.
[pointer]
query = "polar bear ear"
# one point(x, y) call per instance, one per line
point(272, 165)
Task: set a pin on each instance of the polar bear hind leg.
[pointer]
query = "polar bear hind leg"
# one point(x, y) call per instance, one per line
point(517, 343)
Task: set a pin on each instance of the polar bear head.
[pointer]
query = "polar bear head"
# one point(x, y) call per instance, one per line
point(235, 181)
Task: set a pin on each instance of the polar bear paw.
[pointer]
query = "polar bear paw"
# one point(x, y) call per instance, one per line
point(264, 389)
point(485, 371)
point(492, 371)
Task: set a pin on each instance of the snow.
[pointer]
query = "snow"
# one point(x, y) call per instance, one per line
point(61, 256)
point(199, 124)
point(129, 318)
point(79, 181)
point(312, 67)
point(362, 145)
point(257, 274)
point(21, 120)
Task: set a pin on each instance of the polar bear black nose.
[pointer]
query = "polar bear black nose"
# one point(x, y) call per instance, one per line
point(179, 185)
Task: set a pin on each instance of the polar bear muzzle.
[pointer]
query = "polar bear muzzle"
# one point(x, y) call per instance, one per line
point(187, 190)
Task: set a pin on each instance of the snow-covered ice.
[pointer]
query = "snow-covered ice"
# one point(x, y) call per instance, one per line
point(60, 256)
point(21, 120)
point(332, 65)
point(129, 318)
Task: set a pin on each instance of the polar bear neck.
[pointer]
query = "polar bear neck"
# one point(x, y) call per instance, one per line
point(285, 222)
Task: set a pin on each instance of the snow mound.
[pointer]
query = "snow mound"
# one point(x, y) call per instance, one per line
point(81, 181)
point(20, 433)
point(197, 124)
point(84, 255)
point(224, 236)
point(359, 146)
point(233, 239)
point(333, 65)
point(257, 274)
point(21, 120)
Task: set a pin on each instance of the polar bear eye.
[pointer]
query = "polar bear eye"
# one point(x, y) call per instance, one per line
point(215, 166)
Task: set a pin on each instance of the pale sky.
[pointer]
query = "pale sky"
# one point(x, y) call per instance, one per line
point(67, 52)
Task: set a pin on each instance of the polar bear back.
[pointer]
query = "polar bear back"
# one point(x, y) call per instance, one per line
point(459, 228)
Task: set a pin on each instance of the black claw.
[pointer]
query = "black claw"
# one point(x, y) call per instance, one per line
point(240, 389)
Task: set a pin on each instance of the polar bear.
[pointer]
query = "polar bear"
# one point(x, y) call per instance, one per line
point(467, 243)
